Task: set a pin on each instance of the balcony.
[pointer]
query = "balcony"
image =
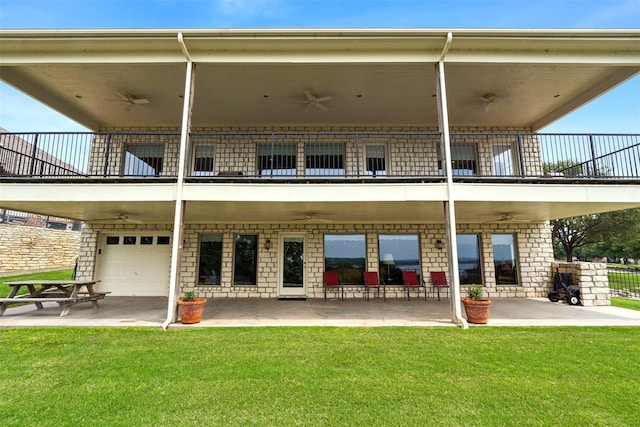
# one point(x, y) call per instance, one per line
point(298, 157)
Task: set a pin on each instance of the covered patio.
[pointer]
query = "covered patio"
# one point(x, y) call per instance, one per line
point(255, 312)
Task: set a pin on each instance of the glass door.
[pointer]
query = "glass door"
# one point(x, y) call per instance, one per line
point(292, 266)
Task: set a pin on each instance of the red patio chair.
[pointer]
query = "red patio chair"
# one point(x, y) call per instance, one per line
point(332, 283)
point(439, 280)
point(371, 282)
point(411, 282)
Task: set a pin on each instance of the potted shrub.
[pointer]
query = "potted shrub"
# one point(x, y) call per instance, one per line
point(191, 307)
point(476, 307)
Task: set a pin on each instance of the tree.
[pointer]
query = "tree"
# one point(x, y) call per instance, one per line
point(573, 233)
point(613, 232)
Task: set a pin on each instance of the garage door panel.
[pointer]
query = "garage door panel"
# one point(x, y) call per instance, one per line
point(129, 267)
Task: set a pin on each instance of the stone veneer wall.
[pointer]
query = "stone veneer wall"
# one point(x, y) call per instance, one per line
point(410, 151)
point(25, 248)
point(533, 244)
point(591, 277)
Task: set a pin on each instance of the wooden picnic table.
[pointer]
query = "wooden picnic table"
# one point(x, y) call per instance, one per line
point(65, 292)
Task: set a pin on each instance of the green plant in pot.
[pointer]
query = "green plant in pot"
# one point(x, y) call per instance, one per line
point(476, 307)
point(191, 307)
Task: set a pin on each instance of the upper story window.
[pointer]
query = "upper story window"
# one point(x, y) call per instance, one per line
point(324, 160)
point(203, 160)
point(503, 160)
point(464, 161)
point(143, 159)
point(376, 160)
point(276, 160)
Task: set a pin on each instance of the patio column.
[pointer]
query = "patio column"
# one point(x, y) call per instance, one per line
point(178, 220)
point(449, 204)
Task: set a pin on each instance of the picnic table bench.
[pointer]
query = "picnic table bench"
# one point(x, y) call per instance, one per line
point(65, 292)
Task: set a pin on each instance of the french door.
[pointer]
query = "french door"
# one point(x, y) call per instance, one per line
point(292, 280)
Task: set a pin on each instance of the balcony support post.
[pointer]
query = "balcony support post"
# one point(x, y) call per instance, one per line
point(107, 151)
point(449, 204)
point(593, 157)
point(358, 157)
point(273, 149)
point(178, 220)
point(34, 151)
point(520, 155)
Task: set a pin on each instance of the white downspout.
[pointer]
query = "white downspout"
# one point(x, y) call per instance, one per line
point(449, 205)
point(178, 219)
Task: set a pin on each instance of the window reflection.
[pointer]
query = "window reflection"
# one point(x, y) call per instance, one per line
point(210, 261)
point(245, 259)
point(346, 254)
point(504, 259)
point(469, 259)
point(398, 253)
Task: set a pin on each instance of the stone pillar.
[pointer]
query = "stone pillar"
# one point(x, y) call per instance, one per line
point(592, 279)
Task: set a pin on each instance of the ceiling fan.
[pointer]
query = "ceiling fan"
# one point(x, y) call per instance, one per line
point(132, 99)
point(119, 218)
point(311, 99)
point(129, 100)
point(488, 100)
point(507, 217)
point(309, 217)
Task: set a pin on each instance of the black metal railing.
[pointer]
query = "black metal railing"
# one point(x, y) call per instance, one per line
point(327, 155)
point(624, 282)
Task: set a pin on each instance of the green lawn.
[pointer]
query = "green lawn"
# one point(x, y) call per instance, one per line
point(49, 275)
point(625, 303)
point(320, 376)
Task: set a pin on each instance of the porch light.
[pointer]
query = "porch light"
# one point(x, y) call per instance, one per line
point(439, 244)
point(267, 244)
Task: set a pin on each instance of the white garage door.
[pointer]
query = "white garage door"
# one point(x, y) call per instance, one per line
point(134, 264)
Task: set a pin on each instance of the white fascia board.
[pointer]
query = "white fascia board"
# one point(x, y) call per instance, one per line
point(577, 193)
point(102, 192)
point(621, 47)
point(315, 192)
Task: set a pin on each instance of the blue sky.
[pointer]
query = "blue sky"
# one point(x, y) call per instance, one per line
point(617, 111)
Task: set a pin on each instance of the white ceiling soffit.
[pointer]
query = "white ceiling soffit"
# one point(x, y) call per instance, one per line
point(374, 77)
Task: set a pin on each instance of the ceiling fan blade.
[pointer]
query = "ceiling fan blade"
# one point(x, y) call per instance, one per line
point(322, 107)
point(324, 99)
point(309, 96)
point(122, 96)
point(140, 101)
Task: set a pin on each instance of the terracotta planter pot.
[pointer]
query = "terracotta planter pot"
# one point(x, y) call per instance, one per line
point(191, 311)
point(477, 310)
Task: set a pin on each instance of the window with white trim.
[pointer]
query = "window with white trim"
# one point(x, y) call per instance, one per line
point(376, 160)
point(277, 160)
point(203, 160)
point(143, 159)
point(324, 160)
point(464, 161)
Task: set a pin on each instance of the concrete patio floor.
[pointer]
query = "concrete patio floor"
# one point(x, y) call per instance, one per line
point(151, 311)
